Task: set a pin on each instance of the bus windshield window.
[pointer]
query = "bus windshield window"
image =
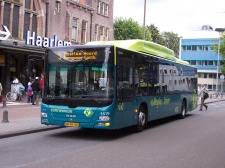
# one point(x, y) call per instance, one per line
point(80, 80)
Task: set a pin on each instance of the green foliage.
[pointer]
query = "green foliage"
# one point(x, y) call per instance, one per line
point(222, 51)
point(125, 29)
point(155, 35)
point(147, 34)
point(172, 41)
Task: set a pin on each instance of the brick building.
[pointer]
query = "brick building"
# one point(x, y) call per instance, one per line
point(36, 24)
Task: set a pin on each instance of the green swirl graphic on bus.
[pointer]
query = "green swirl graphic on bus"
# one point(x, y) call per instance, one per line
point(88, 112)
point(120, 107)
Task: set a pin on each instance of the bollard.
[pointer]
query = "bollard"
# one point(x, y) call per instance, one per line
point(5, 116)
point(37, 102)
point(4, 103)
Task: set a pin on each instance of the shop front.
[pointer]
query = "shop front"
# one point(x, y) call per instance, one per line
point(14, 61)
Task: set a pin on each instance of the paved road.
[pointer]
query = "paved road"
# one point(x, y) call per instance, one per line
point(25, 118)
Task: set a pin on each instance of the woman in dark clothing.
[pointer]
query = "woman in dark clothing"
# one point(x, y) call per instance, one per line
point(35, 88)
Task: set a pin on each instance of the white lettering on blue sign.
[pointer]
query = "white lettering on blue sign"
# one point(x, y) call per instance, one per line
point(31, 39)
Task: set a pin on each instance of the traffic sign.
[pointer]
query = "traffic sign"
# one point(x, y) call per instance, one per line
point(4, 34)
point(222, 77)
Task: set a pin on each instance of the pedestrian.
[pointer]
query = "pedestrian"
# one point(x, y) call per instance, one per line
point(15, 80)
point(202, 92)
point(41, 84)
point(29, 93)
point(35, 88)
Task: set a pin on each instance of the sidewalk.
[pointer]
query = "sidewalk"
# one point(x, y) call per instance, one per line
point(24, 118)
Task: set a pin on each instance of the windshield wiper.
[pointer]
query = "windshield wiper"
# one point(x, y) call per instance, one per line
point(89, 97)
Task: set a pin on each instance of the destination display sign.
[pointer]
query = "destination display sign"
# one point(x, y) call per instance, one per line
point(81, 55)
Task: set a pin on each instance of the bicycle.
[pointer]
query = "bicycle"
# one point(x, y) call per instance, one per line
point(14, 95)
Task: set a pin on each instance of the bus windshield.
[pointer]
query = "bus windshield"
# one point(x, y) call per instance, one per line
point(81, 79)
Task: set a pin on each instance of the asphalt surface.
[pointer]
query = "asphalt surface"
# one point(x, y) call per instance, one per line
point(18, 118)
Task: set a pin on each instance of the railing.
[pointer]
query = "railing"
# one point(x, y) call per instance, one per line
point(217, 96)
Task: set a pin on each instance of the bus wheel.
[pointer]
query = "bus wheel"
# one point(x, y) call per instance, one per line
point(141, 120)
point(183, 110)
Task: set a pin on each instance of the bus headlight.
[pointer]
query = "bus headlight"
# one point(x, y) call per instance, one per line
point(44, 115)
point(104, 118)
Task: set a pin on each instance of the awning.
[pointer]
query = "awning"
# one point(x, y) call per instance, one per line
point(21, 47)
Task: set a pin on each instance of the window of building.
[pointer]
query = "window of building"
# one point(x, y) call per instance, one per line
point(103, 8)
point(96, 32)
point(106, 10)
point(205, 75)
point(6, 20)
point(210, 62)
point(193, 62)
point(30, 18)
point(15, 23)
point(74, 29)
point(26, 24)
point(99, 7)
point(84, 32)
point(210, 75)
point(210, 87)
point(194, 48)
point(34, 23)
point(199, 63)
point(107, 34)
point(199, 48)
point(184, 48)
point(189, 48)
point(101, 33)
point(206, 48)
point(27, 4)
point(57, 6)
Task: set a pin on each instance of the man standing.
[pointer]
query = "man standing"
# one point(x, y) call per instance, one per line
point(202, 92)
point(35, 88)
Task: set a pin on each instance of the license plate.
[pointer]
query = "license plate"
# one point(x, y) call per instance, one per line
point(71, 124)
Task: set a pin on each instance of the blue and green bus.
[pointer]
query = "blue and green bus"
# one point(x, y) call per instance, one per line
point(115, 84)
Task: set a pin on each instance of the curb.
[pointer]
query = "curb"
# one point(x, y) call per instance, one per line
point(24, 132)
point(212, 101)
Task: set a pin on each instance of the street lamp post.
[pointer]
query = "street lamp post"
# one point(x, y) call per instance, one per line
point(218, 57)
point(144, 20)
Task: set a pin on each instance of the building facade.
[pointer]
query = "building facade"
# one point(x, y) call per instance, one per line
point(36, 24)
point(200, 53)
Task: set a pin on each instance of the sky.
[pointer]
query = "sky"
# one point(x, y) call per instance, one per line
point(183, 17)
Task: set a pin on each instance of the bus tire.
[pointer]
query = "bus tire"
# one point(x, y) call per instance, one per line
point(183, 110)
point(141, 120)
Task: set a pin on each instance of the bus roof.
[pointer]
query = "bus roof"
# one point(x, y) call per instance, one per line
point(143, 47)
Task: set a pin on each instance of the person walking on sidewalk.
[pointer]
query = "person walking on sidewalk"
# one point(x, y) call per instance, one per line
point(35, 88)
point(29, 93)
point(202, 92)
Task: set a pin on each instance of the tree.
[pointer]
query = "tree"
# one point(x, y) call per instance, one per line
point(222, 51)
point(155, 35)
point(125, 29)
point(172, 41)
